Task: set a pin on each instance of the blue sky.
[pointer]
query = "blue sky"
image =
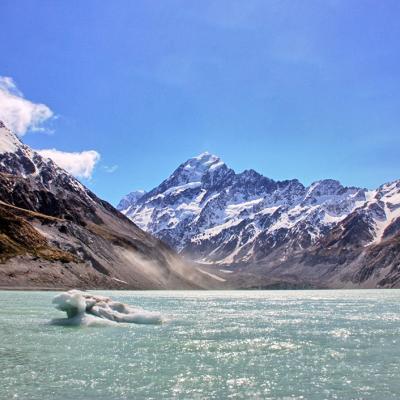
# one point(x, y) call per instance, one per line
point(306, 89)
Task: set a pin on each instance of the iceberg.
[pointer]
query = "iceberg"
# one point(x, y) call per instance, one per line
point(85, 309)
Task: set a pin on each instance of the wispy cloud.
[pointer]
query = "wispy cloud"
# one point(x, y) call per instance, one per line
point(110, 168)
point(18, 113)
point(80, 164)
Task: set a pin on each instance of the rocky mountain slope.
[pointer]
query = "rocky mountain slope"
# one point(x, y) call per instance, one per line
point(257, 232)
point(54, 232)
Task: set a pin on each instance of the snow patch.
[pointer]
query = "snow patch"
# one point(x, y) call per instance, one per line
point(9, 143)
point(216, 277)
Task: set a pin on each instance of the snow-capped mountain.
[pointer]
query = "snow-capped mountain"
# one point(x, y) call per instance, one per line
point(216, 216)
point(17, 159)
point(54, 232)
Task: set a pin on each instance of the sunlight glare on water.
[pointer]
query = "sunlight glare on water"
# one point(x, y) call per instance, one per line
point(228, 344)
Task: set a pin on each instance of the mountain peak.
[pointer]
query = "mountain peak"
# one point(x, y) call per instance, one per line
point(206, 156)
point(195, 168)
point(9, 143)
point(130, 198)
point(205, 159)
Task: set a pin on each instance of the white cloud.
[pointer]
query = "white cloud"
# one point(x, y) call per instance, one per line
point(79, 164)
point(18, 113)
point(21, 115)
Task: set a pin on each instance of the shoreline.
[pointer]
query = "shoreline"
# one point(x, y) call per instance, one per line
point(30, 288)
point(63, 289)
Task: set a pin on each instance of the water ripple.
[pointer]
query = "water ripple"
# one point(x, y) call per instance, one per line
point(214, 345)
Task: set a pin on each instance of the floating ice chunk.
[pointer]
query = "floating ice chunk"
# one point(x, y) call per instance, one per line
point(83, 320)
point(86, 309)
point(72, 302)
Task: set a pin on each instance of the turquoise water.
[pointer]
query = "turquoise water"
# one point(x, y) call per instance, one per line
point(214, 345)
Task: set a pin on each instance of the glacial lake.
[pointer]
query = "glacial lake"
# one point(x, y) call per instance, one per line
point(342, 344)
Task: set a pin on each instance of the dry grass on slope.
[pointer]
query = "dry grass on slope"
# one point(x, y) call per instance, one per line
point(18, 237)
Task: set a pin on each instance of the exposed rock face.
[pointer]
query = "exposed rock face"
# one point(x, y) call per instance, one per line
point(54, 232)
point(321, 235)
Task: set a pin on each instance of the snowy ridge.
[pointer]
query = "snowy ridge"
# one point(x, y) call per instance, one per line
point(18, 159)
point(130, 199)
point(207, 211)
point(9, 142)
point(383, 210)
